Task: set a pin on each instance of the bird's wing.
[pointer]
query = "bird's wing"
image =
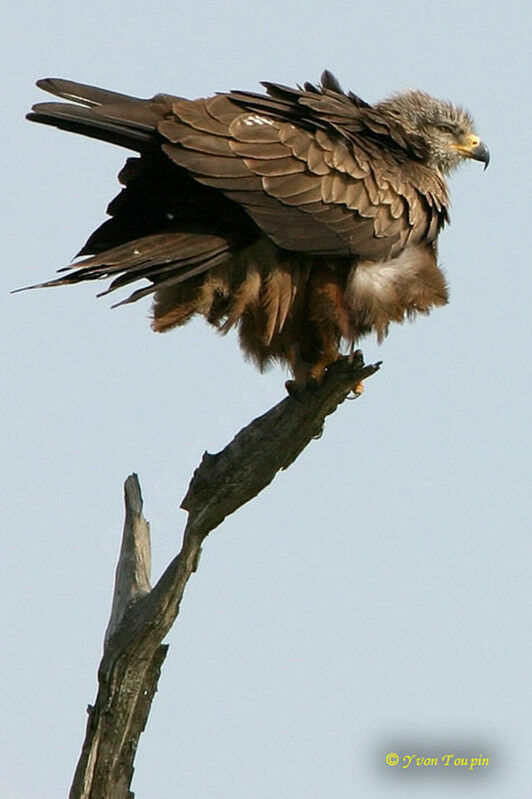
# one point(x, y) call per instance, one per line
point(318, 170)
point(332, 178)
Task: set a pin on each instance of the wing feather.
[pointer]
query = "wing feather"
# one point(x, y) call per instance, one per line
point(316, 169)
point(260, 151)
point(277, 167)
point(344, 192)
point(196, 115)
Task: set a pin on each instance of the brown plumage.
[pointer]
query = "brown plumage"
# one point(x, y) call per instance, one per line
point(305, 217)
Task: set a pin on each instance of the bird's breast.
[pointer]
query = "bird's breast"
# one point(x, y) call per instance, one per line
point(380, 292)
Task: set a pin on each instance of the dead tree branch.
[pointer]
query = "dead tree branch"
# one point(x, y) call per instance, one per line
point(141, 616)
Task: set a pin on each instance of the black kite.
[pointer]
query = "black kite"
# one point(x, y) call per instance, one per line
point(306, 217)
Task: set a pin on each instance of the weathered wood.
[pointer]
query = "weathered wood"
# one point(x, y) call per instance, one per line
point(132, 578)
point(127, 681)
point(141, 617)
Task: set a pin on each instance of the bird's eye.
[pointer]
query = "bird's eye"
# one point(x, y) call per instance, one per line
point(445, 128)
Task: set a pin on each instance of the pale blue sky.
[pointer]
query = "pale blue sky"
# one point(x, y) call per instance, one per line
point(376, 596)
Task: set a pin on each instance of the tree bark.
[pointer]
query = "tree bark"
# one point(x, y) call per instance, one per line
point(141, 616)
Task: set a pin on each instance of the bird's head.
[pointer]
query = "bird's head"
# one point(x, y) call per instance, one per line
point(444, 134)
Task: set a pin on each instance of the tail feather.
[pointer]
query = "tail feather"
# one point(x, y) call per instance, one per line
point(78, 119)
point(166, 228)
point(174, 278)
point(163, 259)
point(130, 122)
point(83, 93)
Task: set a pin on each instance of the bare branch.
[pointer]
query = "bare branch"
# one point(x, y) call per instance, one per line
point(140, 617)
point(132, 578)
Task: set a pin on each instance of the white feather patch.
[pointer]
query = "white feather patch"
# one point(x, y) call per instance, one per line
point(254, 119)
point(379, 279)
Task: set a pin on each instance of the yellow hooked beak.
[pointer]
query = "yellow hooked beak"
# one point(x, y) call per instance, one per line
point(473, 147)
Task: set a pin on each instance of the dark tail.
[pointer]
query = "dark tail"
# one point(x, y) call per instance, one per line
point(164, 259)
point(130, 122)
point(165, 226)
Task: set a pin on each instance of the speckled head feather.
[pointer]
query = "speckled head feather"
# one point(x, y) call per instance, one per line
point(437, 124)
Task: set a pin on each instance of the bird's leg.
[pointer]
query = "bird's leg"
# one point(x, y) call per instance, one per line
point(308, 374)
point(318, 334)
point(358, 389)
point(326, 357)
point(300, 370)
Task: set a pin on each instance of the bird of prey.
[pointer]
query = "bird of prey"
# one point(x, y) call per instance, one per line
point(305, 217)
